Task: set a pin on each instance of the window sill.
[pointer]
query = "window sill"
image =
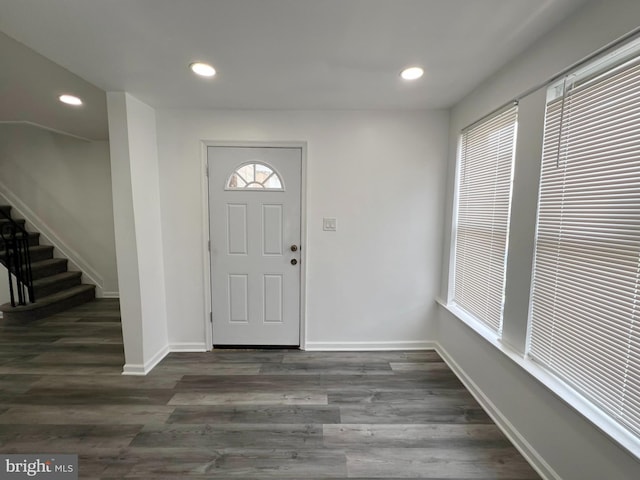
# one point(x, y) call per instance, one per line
point(593, 414)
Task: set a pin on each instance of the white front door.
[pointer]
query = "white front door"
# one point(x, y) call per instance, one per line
point(254, 219)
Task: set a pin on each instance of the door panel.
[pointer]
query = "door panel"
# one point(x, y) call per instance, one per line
point(272, 229)
point(237, 228)
point(273, 298)
point(238, 298)
point(254, 220)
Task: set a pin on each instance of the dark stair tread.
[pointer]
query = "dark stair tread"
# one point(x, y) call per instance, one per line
point(38, 253)
point(36, 248)
point(31, 235)
point(19, 221)
point(57, 282)
point(33, 249)
point(46, 268)
point(41, 282)
point(47, 263)
point(48, 300)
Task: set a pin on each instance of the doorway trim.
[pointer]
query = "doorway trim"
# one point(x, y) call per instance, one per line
point(302, 145)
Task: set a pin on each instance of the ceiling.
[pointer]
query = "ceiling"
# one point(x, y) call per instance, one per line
point(29, 88)
point(282, 54)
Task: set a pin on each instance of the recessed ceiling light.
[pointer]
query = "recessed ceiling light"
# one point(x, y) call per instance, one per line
point(202, 69)
point(412, 73)
point(70, 100)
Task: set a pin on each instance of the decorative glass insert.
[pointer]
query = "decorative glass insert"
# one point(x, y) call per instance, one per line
point(256, 176)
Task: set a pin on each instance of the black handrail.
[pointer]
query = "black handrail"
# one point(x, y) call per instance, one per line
point(17, 260)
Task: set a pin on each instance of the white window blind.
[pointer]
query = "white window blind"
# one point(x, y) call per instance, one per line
point(482, 220)
point(585, 304)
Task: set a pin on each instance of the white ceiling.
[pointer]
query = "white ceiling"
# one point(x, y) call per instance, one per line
point(283, 54)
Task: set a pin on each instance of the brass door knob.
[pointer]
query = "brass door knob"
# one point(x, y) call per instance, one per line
point(294, 248)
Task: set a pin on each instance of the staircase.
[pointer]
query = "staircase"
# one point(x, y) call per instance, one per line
point(55, 288)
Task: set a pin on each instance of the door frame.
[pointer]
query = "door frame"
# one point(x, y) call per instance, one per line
point(302, 145)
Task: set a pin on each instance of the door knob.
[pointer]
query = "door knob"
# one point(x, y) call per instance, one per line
point(294, 248)
point(294, 261)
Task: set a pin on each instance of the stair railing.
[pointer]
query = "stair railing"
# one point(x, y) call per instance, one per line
point(17, 260)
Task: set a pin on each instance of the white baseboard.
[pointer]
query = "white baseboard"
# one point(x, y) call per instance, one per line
point(524, 447)
point(188, 347)
point(138, 369)
point(365, 346)
point(110, 295)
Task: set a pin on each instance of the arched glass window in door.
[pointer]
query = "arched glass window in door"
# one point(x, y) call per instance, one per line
point(255, 176)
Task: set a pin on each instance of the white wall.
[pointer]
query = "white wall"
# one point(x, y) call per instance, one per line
point(380, 174)
point(556, 437)
point(134, 166)
point(4, 286)
point(31, 84)
point(66, 183)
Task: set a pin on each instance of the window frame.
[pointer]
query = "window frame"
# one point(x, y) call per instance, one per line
point(470, 317)
point(513, 345)
point(616, 428)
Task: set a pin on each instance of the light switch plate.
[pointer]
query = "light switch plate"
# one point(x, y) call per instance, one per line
point(329, 224)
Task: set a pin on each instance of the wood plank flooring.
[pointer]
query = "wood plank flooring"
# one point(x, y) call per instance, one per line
point(240, 414)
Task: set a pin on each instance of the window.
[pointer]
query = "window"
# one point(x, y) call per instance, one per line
point(482, 218)
point(254, 176)
point(585, 302)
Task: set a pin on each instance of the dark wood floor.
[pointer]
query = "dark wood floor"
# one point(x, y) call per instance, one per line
point(239, 414)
